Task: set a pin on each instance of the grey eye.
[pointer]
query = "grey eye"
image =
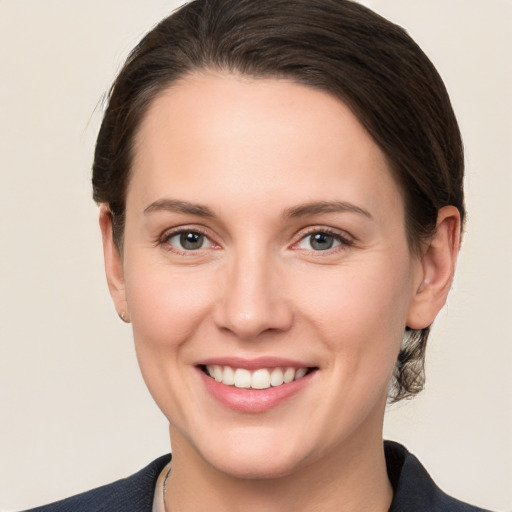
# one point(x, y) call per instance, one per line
point(188, 240)
point(321, 241)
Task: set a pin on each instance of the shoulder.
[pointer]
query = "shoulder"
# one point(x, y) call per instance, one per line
point(132, 494)
point(414, 489)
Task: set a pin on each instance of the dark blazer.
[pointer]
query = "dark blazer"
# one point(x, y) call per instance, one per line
point(414, 490)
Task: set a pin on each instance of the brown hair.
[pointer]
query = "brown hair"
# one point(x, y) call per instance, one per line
point(339, 46)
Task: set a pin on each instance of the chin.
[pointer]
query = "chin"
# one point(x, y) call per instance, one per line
point(260, 467)
point(253, 455)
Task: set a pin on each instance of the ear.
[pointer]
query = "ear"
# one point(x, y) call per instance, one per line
point(437, 269)
point(113, 264)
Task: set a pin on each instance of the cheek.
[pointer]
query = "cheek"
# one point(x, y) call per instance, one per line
point(360, 312)
point(166, 310)
point(372, 297)
point(167, 306)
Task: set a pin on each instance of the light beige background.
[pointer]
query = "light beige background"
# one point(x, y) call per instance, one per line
point(74, 412)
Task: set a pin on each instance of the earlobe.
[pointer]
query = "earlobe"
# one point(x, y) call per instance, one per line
point(113, 264)
point(438, 267)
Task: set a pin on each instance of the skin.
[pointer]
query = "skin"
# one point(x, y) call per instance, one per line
point(252, 151)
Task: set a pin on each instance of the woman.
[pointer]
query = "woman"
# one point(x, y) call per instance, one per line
point(280, 190)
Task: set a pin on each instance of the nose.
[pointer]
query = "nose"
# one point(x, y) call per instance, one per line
point(253, 300)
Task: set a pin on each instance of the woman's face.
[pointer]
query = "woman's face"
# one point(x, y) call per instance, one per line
point(264, 242)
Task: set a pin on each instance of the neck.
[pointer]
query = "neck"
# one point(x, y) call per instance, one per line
point(352, 478)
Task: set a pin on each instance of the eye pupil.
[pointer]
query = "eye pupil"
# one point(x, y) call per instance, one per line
point(191, 240)
point(321, 241)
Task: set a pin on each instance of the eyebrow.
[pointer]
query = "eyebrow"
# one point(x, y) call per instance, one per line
point(317, 208)
point(173, 205)
point(314, 208)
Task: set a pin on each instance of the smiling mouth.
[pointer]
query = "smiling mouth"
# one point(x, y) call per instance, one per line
point(261, 378)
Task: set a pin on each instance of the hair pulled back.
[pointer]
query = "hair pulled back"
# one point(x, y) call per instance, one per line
point(339, 46)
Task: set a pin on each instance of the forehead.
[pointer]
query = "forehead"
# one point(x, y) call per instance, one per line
point(220, 105)
point(244, 136)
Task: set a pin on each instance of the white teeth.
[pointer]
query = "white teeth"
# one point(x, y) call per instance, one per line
point(217, 373)
point(229, 376)
point(262, 378)
point(276, 377)
point(300, 373)
point(289, 375)
point(214, 371)
point(242, 378)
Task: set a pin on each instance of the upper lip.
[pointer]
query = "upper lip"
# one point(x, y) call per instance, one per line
point(255, 363)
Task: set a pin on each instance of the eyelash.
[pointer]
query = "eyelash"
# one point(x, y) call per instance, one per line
point(344, 240)
point(164, 240)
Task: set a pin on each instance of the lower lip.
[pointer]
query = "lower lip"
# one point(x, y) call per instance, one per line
point(253, 400)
